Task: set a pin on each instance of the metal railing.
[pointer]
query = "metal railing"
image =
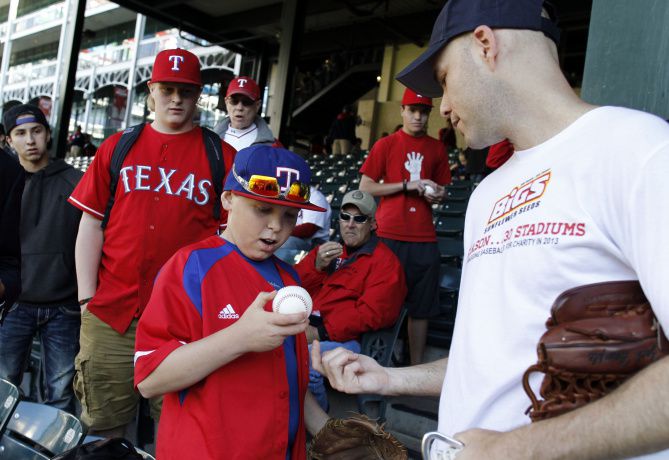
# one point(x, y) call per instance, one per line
point(52, 13)
point(31, 71)
point(38, 18)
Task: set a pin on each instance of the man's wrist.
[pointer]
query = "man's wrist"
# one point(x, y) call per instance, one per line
point(83, 302)
point(404, 186)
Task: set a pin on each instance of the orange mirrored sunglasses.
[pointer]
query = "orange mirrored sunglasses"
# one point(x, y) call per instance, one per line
point(268, 187)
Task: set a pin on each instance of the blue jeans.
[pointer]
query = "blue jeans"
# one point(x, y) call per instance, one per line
point(316, 384)
point(58, 329)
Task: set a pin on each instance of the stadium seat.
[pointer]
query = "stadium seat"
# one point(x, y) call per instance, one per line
point(461, 185)
point(9, 398)
point(452, 208)
point(457, 194)
point(336, 201)
point(379, 345)
point(92, 438)
point(450, 226)
point(38, 431)
point(451, 250)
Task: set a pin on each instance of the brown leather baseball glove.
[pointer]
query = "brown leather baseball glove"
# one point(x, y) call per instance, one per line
point(598, 336)
point(355, 438)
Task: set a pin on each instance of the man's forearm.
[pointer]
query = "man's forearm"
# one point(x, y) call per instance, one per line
point(422, 380)
point(629, 422)
point(377, 189)
point(87, 254)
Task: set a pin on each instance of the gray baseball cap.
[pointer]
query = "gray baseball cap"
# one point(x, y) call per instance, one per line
point(362, 200)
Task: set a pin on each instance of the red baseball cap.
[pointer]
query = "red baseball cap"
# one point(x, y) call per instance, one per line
point(412, 98)
point(244, 85)
point(178, 66)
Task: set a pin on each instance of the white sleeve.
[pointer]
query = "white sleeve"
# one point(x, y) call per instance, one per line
point(645, 217)
point(320, 219)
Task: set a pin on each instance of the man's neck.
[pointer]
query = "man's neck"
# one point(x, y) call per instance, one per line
point(418, 134)
point(241, 130)
point(169, 129)
point(33, 167)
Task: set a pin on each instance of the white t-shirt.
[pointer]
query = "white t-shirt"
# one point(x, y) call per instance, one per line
point(241, 138)
point(320, 219)
point(589, 205)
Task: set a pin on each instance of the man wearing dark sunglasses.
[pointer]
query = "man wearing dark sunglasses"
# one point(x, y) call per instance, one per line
point(244, 127)
point(357, 286)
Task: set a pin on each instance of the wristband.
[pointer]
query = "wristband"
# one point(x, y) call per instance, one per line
point(83, 302)
point(404, 186)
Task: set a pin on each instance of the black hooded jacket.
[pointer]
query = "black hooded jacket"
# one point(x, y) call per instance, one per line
point(49, 226)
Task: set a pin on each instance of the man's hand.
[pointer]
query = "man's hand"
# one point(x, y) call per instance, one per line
point(327, 252)
point(349, 372)
point(265, 330)
point(439, 191)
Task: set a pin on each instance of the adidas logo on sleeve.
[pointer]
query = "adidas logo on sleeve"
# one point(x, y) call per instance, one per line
point(228, 313)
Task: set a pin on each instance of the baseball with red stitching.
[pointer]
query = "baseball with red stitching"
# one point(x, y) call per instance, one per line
point(292, 299)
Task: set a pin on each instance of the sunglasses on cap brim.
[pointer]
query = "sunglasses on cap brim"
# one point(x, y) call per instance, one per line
point(268, 187)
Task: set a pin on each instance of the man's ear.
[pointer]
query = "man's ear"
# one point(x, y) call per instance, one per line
point(226, 200)
point(485, 41)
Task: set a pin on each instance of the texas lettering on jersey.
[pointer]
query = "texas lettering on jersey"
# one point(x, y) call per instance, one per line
point(169, 181)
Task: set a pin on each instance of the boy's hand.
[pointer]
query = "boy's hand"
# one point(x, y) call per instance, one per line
point(264, 331)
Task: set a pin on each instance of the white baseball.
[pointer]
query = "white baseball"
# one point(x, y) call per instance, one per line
point(292, 299)
point(429, 190)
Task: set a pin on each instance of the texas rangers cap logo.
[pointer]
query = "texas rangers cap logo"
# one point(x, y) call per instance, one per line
point(176, 66)
point(241, 82)
point(176, 59)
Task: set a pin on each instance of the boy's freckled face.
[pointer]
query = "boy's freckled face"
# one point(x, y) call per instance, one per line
point(257, 228)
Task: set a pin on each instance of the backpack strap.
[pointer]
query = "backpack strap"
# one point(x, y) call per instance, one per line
point(212, 144)
point(121, 150)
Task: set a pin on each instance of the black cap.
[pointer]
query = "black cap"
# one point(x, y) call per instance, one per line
point(462, 16)
point(10, 116)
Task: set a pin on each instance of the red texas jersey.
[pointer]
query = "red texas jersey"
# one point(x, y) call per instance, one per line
point(399, 157)
point(240, 410)
point(163, 202)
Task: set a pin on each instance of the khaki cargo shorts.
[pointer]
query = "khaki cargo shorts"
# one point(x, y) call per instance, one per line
point(104, 375)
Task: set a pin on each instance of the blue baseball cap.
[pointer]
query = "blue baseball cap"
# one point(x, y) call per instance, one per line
point(462, 16)
point(272, 162)
point(31, 114)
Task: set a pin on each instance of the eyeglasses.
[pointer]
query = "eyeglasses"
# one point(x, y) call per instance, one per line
point(359, 219)
point(269, 187)
point(246, 102)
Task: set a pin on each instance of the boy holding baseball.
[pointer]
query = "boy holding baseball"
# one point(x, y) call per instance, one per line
point(233, 373)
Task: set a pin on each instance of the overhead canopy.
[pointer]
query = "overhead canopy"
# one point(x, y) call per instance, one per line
point(253, 26)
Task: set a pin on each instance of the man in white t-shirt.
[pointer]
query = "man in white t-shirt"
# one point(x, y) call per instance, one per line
point(564, 211)
point(243, 126)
